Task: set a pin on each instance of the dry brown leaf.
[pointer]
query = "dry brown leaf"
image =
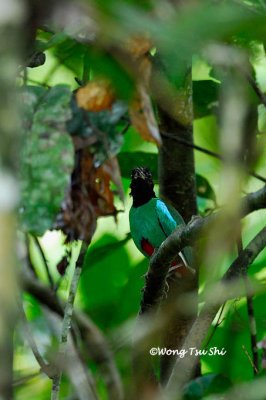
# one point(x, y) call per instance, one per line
point(138, 46)
point(112, 166)
point(89, 197)
point(97, 95)
point(142, 117)
point(97, 182)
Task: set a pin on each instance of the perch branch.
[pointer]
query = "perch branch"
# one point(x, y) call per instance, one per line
point(183, 367)
point(182, 237)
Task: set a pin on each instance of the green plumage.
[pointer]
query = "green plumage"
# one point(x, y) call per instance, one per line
point(154, 221)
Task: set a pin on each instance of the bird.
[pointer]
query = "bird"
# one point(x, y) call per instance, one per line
point(152, 220)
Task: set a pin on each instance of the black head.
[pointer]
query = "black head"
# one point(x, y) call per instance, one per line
point(141, 186)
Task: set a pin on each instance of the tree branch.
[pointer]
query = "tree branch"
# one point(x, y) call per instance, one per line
point(46, 266)
point(48, 369)
point(182, 237)
point(255, 87)
point(94, 341)
point(205, 151)
point(67, 320)
point(183, 367)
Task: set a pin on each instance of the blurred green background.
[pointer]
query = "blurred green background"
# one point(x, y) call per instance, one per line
point(112, 277)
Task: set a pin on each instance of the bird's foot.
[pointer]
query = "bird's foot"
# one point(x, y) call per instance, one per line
point(194, 219)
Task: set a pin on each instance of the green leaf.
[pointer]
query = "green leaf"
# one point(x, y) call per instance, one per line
point(47, 40)
point(206, 384)
point(67, 50)
point(47, 156)
point(104, 64)
point(204, 189)
point(191, 30)
point(130, 160)
point(71, 54)
point(97, 254)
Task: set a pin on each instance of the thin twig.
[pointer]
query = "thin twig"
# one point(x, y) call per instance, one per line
point(67, 321)
point(256, 371)
point(251, 317)
point(45, 367)
point(206, 151)
point(255, 87)
point(184, 367)
point(219, 321)
point(25, 379)
point(95, 344)
point(125, 128)
point(75, 368)
point(45, 263)
point(28, 257)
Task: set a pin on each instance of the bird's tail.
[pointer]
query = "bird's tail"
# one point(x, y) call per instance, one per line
point(179, 268)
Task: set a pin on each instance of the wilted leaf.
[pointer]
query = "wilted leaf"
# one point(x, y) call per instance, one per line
point(48, 156)
point(142, 117)
point(105, 65)
point(113, 169)
point(138, 46)
point(97, 95)
point(101, 131)
point(90, 197)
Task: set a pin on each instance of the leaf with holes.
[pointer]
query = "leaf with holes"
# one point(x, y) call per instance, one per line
point(47, 156)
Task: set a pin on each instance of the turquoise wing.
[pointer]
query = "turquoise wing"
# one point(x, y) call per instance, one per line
point(165, 219)
point(170, 219)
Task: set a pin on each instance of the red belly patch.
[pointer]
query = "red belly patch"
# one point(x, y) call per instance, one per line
point(147, 247)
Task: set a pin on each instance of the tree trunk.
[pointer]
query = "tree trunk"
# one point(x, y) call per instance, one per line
point(178, 186)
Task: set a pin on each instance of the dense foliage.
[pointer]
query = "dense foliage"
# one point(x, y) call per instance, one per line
point(91, 91)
